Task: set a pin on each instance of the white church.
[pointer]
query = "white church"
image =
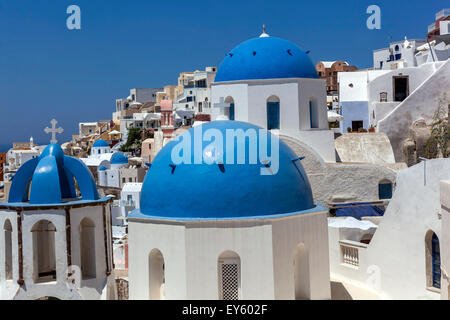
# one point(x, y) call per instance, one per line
point(233, 233)
point(56, 240)
point(272, 83)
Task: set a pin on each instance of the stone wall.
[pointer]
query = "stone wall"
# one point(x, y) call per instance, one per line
point(122, 289)
point(342, 182)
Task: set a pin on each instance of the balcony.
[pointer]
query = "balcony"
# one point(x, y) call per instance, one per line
point(350, 252)
point(128, 203)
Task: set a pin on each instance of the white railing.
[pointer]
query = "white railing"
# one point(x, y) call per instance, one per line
point(443, 13)
point(350, 252)
point(128, 203)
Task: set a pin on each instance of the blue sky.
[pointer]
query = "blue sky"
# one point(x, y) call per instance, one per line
point(48, 71)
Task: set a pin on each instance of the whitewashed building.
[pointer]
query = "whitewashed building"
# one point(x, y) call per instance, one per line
point(391, 100)
point(224, 231)
point(56, 243)
point(400, 257)
point(272, 83)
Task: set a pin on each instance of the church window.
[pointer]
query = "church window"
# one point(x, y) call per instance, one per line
point(156, 275)
point(87, 248)
point(385, 190)
point(44, 255)
point(8, 250)
point(433, 260)
point(301, 273)
point(273, 113)
point(229, 269)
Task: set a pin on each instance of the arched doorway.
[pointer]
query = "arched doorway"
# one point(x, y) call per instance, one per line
point(273, 113)
point(302, 273)
point(433, 260)
point(230, 101)
point(87, 248)
point(44, 256)
point(156, 275)
point(229, 269)
point(8, 250)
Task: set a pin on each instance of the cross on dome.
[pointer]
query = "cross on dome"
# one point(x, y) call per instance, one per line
point(264, 34)
point(53, 130)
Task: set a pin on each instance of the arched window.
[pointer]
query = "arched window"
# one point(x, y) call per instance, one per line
point(385, 190)
point(313, 113)
point(230, 101)
point(87, 248)
point(433, 260)
point(229, 269)
point(8, 250)
point(156, 275)
point(273, 113)
point(44, 257)
point(301, 273)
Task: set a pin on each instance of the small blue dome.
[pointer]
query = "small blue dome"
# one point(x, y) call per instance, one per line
point(50, 178)
point(100, 143)
point(205, 191)
point(119, 158)
point(102, 168)
point(265, 58)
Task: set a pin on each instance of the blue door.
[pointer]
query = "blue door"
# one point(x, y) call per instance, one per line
point(436, 260)
point(385, 190)
point(273, 115)
point(231, 111)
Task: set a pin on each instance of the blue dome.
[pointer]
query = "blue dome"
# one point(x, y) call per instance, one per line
point(100, 143)
point(102, 168)
point(205, 191)
point(119, 158)
point(265, 58)
point(49, 179)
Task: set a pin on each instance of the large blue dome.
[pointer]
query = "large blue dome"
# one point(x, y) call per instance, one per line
point(265, 58)
point(209, 191)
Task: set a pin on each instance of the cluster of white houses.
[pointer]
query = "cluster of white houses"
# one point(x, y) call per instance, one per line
point(224, 230)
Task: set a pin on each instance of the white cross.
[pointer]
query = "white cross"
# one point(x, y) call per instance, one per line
point(53, 130)
point(222, 104)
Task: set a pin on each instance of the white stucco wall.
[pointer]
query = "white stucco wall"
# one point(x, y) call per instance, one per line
point(445, 240)
point(422, 103)
point(397, 249)
point(98, 287)
point(250, 103)
point(265, 247)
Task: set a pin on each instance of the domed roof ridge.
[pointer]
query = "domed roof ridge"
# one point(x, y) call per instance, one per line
point(265, 57)
point(119, 158)
point(49, 179)
point(100, 143)
point(210, 191)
